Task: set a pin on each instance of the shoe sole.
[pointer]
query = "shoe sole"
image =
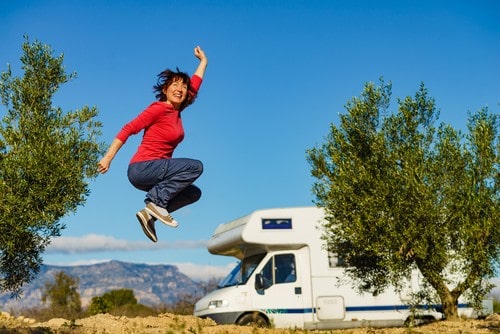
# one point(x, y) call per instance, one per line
point(159, 217)
point(144, 225)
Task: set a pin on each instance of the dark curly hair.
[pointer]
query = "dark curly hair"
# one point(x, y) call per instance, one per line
point(166, 78)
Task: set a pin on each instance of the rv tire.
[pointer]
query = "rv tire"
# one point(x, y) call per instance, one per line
point(252, 319)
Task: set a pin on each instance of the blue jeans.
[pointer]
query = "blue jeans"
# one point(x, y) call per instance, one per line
point(168, 182)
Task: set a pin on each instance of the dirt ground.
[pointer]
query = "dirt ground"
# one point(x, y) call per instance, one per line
point(169, 323)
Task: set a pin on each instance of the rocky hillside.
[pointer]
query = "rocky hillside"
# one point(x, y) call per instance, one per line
point(152, 284)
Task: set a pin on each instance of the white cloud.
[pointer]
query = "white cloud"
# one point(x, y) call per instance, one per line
point(86, 262)
point(91, 243)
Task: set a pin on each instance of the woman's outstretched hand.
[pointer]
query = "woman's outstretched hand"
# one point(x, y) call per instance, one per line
point(200, 54)
point(202, 66)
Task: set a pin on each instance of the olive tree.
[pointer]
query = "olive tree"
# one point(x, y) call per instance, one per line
point(402, 194)
point(47, 157)
point(62, 295)
point(112, 300)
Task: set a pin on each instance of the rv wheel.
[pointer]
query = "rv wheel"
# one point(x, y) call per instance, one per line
point(252, 319)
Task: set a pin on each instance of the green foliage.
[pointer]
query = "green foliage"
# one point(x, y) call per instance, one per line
point(120, 297)
point(496, 306)
point(401, 194)
point(62, 295)
point(120, 302)
point(46, 159)
point(99, 305)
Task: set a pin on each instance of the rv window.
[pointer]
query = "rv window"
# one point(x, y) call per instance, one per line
point(267, 274)
point(285, 268)
point(242, 271)
point(279, 269)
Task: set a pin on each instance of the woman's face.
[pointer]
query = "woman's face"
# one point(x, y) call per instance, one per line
point(176, 93)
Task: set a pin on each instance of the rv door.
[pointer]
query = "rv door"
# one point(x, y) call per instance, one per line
point(280, 291)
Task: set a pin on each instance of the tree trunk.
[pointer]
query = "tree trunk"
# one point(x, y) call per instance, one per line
point(449, 300)
point(450, 306)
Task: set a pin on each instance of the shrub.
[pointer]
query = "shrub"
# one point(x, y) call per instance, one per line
point(496, 305)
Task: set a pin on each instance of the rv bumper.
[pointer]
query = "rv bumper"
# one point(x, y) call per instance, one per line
point(223, 318)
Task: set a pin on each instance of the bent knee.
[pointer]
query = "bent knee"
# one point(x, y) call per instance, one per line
point(198, 166)
point(195, 194)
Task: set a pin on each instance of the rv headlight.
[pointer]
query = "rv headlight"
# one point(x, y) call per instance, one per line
point(218, 303)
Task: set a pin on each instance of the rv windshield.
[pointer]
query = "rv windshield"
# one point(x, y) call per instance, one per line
point(242, 271)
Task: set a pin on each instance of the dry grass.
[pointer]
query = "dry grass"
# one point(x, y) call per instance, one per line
point(170, 324)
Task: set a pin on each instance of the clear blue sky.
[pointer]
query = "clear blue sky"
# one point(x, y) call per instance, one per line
point(279, 74)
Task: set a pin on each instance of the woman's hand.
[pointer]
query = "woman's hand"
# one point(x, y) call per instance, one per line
point(103, 165)
point(200, 54)
point(202, 66)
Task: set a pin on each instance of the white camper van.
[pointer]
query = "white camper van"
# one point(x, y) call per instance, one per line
point(286, 278)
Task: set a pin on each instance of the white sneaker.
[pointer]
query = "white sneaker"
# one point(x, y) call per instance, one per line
point(147, 224)
point(161, 214)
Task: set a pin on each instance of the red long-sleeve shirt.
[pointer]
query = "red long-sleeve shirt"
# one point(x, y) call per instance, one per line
point(163, 129)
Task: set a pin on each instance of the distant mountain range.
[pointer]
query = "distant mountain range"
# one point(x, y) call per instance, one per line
point(152, 284)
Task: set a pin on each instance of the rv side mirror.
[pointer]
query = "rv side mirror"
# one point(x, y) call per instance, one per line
point(259, 282)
